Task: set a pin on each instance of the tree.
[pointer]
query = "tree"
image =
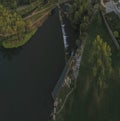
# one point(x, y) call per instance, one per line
point(29, 25)
point(116, 34)
point(100, 62)
point(10, 23)
point(79, 13)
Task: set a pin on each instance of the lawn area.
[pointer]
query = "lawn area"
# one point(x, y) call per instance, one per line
point(26, 10)
point(82, 104)
point(62, 95)
point(24, 7)
point(46, 5)
point(34, 7)
point(113, 21)
point(40, 13)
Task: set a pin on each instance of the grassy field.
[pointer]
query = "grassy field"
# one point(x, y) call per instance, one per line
point(83, 104)
point(34, 7)
point(42, 12)
point(26, 10)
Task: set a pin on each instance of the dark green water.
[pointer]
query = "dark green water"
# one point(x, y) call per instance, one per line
point(28, 74)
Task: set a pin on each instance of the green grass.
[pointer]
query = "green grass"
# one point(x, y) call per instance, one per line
point(26, 7)
point(37, 16)
point(18, 43)
point(82, 105)
point(113, 19)
point(29, 8)
point(62, 95)
point(45, 6)
point(35, 7)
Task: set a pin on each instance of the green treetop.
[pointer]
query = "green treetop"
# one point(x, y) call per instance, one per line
point(100, 61)
point(10, 23)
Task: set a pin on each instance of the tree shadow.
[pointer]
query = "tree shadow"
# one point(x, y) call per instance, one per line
point(10, 54)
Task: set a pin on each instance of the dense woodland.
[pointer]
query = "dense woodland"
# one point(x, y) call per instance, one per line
point(10, 22)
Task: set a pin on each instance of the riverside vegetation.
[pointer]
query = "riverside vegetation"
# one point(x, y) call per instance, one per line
point(18, 19)
point(96, 97)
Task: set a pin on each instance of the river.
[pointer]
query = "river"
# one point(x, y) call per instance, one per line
point(29, 73)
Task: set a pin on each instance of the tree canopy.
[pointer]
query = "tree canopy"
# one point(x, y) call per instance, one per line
point(10, 22)
point(100, 62)
point(78, 12)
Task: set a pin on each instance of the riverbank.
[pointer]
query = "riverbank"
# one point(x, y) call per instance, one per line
point(37, 13)
point(84, 104)
point(29, 73)
point(69, 83)
point(69, 35)
point(33, 21)
point(17, 43)
point(66, 97)
point(9, 43)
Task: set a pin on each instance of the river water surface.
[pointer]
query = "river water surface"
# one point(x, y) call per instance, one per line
point(28, 74)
